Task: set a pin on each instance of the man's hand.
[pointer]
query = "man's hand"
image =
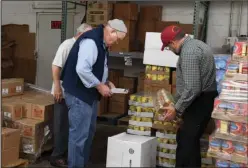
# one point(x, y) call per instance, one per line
point(104, 90)
point(111, 85)
point(58, 95)
point(170, 113)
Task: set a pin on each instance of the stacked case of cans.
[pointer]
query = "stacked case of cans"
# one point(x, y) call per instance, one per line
point(167, 145)
point(141, 112)
point(229, 142)
point(157, 73)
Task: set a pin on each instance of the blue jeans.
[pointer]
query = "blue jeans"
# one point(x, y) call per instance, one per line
point(82, 126)
point(61, 130)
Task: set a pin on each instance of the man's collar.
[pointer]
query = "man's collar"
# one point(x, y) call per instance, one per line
point(186, 39)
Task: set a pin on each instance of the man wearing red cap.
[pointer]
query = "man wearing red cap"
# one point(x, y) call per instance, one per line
point(196, 90)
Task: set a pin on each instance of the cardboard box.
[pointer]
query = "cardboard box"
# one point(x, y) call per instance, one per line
point(12, 87)
point(128, 43)
point(128, 83)
point(10, 146)
point(41, 109)
point(7, 50)
point(33, 133)
point(9, 156)
point(126, 11)
point(174, 78)
point(118, 103)
point(102, 106)
point(96, 5)
point(160, 25)
point(114, 76)
point(150, 12)
point(143, 27)
point(188, 28)
point(99, 13)
point(126, 150)
point(12, 110)
point(26, 72)
point(119, 97)
point(173, 89)
point(10, 138)
point(30, 128)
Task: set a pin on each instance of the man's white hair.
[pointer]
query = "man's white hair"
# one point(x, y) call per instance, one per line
point(83, 27)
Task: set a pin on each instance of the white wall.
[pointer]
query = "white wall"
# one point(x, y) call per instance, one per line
point(218, 25)
point(22, 12)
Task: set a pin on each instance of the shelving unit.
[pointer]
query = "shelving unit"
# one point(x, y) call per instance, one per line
point(139, 55)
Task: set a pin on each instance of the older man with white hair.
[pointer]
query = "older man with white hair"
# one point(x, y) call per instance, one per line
point(85, 80)
point(61, 126)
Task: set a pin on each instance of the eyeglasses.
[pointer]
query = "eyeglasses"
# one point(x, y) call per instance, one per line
point(117, 38)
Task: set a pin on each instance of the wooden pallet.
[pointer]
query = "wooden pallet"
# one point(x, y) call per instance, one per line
point(123, 122)
point(110, 118)
point(19, 163)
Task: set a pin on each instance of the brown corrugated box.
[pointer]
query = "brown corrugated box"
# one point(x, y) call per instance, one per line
point(118, 103)
point(32, 134)
point(12, 110)
point(96, 5)
point(143, 27)
point(188, 28)
point(160, 25)
point(114, 76)
point(150, 12)
point(128, 43)
point(41, 109)
point(12, 87)
point(10, 145)
point(174, 77)
point(128, 83)
point(99, 13)
point(126, 11)
point(102, 106)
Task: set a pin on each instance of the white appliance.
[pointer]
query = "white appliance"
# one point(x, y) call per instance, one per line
point(126, 150)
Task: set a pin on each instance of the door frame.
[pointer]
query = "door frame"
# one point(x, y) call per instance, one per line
point(38, 14)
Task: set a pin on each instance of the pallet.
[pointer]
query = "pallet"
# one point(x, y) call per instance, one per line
point(19, 163)
point(34, 158)
point(110, 118)
point(123, 122)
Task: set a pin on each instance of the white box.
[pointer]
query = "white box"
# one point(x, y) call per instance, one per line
point(126, 150)
point(160, 58)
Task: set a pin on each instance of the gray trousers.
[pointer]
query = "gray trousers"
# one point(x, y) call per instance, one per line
point(61, 130)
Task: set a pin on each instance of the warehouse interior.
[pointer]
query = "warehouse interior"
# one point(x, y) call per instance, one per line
point(32, 31)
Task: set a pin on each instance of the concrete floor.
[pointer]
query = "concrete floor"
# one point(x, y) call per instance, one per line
point(99, 147)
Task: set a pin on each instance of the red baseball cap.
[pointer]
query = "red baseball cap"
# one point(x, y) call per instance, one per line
point(168, 34)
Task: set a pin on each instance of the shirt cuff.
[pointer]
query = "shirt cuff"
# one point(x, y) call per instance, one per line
point(95, 83)
point(179, 109)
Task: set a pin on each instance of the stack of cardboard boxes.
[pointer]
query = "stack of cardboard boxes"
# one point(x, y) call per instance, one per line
point(31, 112)
point(149, 15)
point(10, 146)
point(98, 13)
point(20, 47)
point(118, 102)
point(128, 12)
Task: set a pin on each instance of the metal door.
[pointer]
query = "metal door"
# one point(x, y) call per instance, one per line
point(48, 43)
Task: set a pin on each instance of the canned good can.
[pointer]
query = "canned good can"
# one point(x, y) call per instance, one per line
point(154, 68)
point(244, 46)
point(154, 77)
point(238, 48)
point(148, 76)
point(148, 67)
point(160, 68)
point(161, 77)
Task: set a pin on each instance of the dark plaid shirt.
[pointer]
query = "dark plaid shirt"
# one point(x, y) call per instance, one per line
point(195, 72)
